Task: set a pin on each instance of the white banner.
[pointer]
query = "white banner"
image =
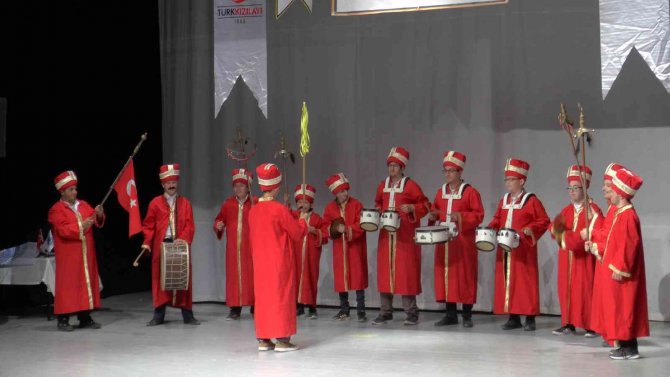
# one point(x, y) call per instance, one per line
point(240, 49)
point(361, 7)
point(643, 24)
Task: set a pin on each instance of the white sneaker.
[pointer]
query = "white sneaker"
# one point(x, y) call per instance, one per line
point(285, 347)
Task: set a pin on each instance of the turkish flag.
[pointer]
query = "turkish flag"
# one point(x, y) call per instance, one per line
point(126, 191)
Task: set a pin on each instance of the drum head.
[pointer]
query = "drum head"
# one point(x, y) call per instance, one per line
point(485, 246)
point(389, 228)
point(369, 227)
point(505, 247)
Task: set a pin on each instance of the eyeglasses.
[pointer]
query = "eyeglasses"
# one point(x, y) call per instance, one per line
point(449, 170)
point(576, 188)
point(509, 179)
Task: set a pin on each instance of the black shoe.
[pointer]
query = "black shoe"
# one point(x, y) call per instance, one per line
point(65, 326)
point(447, 320)
point(467, 322)
point(624, 353)
point(232, 316)
point(156, 322)
point(382, 319)
point(342, 315)
point(362, 317)
point(312, 314)
point(191, 321)
point(590, 334)
point(411, 320)
point(564, 330)
point(530, 324)
point(300, 311)
point(89, 324)
point(512, 323)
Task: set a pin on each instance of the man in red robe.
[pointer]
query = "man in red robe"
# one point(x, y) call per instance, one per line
point(77, 282)
point(516, 278)
point(398, 256)
point(169, 219)
point(599, 234)
point(460, 204)
point(623, 315)
point(350, 257)
point(576, 265)
point(272, 231)
point(308, 251)
point(234, 217)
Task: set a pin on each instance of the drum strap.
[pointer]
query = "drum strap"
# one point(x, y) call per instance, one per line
point(512, 206)
point(400, 187)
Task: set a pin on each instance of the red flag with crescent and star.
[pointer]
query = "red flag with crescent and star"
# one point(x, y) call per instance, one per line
point(126, 191)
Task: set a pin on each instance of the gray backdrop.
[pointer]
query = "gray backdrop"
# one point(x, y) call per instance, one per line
point(485, 81)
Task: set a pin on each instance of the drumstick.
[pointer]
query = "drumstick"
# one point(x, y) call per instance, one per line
point(136, 263)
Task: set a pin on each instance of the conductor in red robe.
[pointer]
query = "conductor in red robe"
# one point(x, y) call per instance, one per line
point(234, 218)
point(455, 268)
point(169, 219)
point(576, 265)
point(272, 232)
point(350, 257)
point(398, 256)
point(77, 281)
point(308, 251)
point(624, 314)
point(516, 277)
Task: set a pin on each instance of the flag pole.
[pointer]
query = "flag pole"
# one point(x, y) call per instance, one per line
point(137, 148)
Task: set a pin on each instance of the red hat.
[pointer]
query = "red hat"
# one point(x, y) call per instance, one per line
point(454, 159)
point(65, 180)
point(310, 191)
point(337, 183)
point(269, 176)
point(516, 168)
point(626, 183)
point(242, 176)
point(574, 174)
point(169, 172)
point(611, 170)
point(398, 155)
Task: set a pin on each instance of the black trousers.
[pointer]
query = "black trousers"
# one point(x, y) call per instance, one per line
point(360, 301)
point(159, 313)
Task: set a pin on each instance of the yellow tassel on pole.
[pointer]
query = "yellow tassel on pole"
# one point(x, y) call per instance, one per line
point(304, 144)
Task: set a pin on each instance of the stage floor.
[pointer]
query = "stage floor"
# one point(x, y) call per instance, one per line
point(126, 347)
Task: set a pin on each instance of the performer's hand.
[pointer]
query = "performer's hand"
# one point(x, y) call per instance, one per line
point(312, 229)
point(407, 208)
point(341, 228)
point(432, 216)
point(99, 211)
point(146, 249)
point(588, 246)
point(456, 217)
point(219, 225)
point(86, 224)
point(617, 276)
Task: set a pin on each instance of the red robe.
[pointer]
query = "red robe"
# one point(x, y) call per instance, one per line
point(516, 279)
point(350, 255)
point(154, 228)
point(77, 281)
point(624, 313)
point(458, 282)
point(239, 268)
point(307, 258)
point(272, 231)
point(398, 256)
point(576, 267)
point(600, 231)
